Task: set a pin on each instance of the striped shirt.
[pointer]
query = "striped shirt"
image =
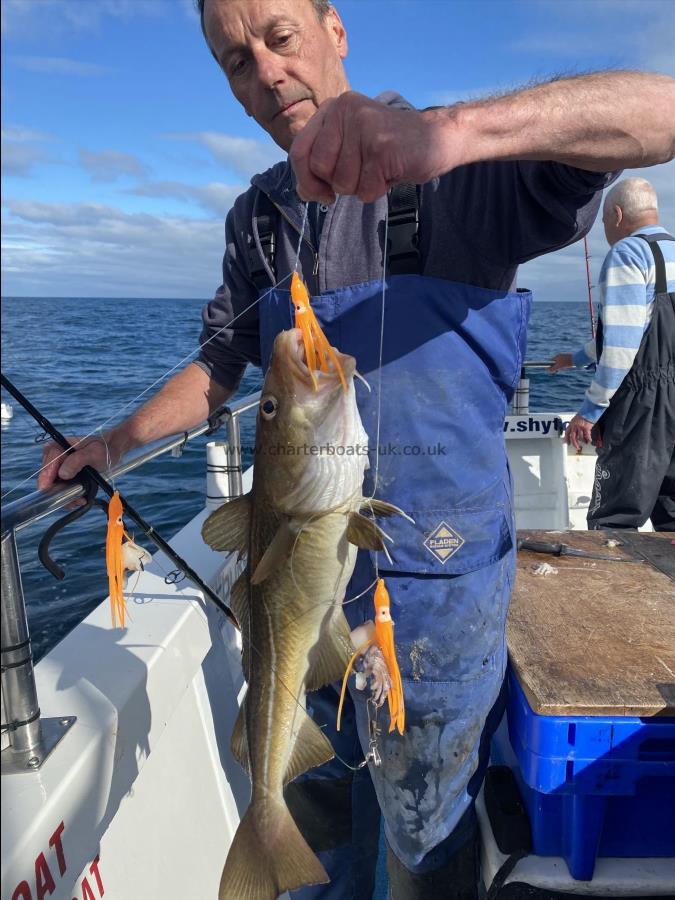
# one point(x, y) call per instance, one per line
point(627, 288)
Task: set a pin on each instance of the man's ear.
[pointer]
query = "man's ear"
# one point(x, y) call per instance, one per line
point(618, 215)
point(333, 23)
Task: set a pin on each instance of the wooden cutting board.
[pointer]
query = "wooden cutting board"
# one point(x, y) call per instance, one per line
point(596, 637)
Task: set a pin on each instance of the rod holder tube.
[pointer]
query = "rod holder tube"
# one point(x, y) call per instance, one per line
point(521, 397)
point(19, 692)
point(217, 474)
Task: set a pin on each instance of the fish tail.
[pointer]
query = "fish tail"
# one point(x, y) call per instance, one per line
point(263, 862)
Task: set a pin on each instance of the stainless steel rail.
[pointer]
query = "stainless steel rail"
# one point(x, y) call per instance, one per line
point(29, 509)
point(30, 737)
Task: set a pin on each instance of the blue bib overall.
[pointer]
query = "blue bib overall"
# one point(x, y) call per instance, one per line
point(451, 358)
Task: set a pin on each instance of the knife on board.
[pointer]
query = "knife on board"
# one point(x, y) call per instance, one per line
point(565, 550)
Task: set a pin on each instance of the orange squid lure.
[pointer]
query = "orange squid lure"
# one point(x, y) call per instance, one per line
point(318, 352)
point(383, 636)
point(113, 559)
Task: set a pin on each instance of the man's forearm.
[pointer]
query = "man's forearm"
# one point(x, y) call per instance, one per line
point(185, 400)
point(600, 122)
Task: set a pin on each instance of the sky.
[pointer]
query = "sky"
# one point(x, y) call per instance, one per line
point(122, 148)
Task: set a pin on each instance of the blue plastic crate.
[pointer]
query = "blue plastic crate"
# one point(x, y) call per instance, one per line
point(594, 785)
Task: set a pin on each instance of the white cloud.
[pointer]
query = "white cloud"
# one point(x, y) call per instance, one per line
point(18, 158)
point(59, 65)
point(18, 153)
point(628, 32)
point(241, 155)
point(215, 196)
point(23, 134)
point(60, 249)
point(109, 165)
point(36, 18)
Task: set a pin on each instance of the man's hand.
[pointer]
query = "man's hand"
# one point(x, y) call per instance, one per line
point(354, 145)
point(59, 467)
point(579, 429)
point(561, 361)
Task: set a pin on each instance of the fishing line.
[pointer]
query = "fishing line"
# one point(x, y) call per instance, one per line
point(297, 259)
point(302, 234)
point(379, 374)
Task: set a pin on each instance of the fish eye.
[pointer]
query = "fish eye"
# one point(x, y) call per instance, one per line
point(268, 407)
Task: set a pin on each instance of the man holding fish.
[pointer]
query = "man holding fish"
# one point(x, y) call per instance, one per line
point(486, 186)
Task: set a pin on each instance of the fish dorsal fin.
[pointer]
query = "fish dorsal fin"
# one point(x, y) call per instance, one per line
point(365, 533)
point(382, 509)
point(228, 527)
point(239, 741)
point(311, 748)
point(329, 658)
point(278, 551)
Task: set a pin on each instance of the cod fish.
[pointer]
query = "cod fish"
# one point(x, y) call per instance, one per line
point(300, 527)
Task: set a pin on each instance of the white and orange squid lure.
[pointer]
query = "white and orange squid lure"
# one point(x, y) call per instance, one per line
point(318, 352)
point(383, 638)
point(121, 556)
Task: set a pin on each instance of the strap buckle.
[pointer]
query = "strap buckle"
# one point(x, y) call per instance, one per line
point(268, 243)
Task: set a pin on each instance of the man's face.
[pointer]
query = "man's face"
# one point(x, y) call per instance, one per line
point(280, 59)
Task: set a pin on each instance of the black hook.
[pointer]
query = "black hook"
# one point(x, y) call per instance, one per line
point(90, 489)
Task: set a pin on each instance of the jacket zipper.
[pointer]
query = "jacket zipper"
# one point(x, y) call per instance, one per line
point(315, 253)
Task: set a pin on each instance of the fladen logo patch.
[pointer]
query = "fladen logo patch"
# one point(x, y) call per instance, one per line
point(443, 542)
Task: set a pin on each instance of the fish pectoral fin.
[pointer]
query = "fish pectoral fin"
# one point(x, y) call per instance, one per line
point(365, 533)
point(239, 740)
point(383, 509)
point(277, 552)
point(312, 748)
point(228, 527)
point(329, 658)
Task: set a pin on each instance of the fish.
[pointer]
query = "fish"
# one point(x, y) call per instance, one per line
point(300, 528)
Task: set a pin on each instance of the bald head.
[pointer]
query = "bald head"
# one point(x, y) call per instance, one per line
point(629, 205)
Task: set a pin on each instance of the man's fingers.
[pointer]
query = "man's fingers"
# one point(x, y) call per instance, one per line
point(92, 454)
point(308, 171)
point(347, 171)
point(53, 457)
point(58, 465)
point(571, 436)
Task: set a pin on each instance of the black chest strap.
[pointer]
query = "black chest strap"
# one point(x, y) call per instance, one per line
point(661, 281)
point(262, 244)
point(403, 255)
point(661, 286)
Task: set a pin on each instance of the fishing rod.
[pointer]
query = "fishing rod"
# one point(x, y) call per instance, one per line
point(590, 291)
point(92, 475)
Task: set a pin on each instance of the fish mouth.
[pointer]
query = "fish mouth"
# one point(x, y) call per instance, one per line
point(295, 360)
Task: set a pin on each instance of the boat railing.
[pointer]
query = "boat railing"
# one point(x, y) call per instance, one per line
point(27, 737)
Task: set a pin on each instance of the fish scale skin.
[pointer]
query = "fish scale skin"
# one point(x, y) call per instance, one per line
point(287, 612)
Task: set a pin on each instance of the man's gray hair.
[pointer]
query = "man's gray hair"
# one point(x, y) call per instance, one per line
point(635, 196)
point(321, 7)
